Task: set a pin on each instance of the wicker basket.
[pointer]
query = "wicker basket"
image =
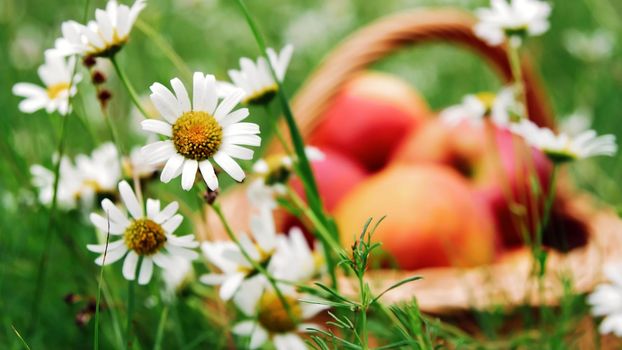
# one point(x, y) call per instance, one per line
point(446, 290)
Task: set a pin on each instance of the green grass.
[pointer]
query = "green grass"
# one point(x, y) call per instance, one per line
point(210, 36)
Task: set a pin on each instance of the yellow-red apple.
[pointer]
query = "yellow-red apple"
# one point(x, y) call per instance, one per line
point(433, 218)
point(501, 167)
point(368, 119)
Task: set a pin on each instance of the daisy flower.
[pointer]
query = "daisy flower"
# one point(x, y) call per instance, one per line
point(561, 147)
point(255, 78)
point(271, 320)
point(137, 165)
point(176, 275)
point(104, 36)
point(200, 133)
point(69, 184)
point(100, 172)
point(606, 300)
point(500, 108)
point(59, 85)
point(234, 267)
point(273, 174)
point(147, 239)
point(294, 259)
point(515, 20)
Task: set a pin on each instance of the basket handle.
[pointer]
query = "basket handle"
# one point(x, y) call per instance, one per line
point(389, 34)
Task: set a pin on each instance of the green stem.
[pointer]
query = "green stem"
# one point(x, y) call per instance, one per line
point(517, 75)
point(548, 205)
point(164, 47)
point(128, 86)
point(99, 289)
point(319, 226)
point(50, 227)
point(325, 237)
point(130, 314)
point(160, 331)
point(363, 312)
point(255, 265)
point(303, 166)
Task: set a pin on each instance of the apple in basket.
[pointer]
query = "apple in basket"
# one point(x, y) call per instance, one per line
point(336, 175)
point(433, 217)
point(369, 117)
point(498, 164)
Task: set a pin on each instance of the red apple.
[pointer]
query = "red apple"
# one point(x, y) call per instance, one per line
point(336, 175)
point(369, 118)
point(501, 167)
point(433, 218)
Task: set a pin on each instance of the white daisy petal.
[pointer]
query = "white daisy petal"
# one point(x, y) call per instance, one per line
point(130, 200)
point(189, 173)
point(173, 223)
point(172, 168)
point(225, 107)
point(129, 266)
point(157, 126)
point(106, 225)
point(244, 328)
point(231, 285)
point(100, 248)
point(258, 338)
point(229, 166)
point(182, 95)
point(208, 174)
point(167, 212)
point(114, 213)
point(146, 270)
point(153, 208)
point(238, 152)
point(112, 256)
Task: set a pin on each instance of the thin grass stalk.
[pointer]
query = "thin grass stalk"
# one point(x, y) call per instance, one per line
point(48, 233)
point(164, 47)
point(303, 166)
point(128, 86)
point(99, 288)
point(131, 294)
point(160, 332)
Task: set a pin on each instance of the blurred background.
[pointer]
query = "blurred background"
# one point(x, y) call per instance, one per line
point(579, 60)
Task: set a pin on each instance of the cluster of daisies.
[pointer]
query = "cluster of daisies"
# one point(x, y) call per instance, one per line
point(512, 22)
point(202, 131)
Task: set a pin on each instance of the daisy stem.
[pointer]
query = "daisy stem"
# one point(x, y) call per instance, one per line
point(255, 265)
point(517, 75)
point(303, 167)
point(48, 234)
point(160, 332)
point(130, 314)
point(548, 205)
point(128, 86)
point(164, 47)
point(322, 230)
point(99, 289)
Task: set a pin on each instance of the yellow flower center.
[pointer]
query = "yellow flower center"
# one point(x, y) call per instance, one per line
point(278, 170)
point(56, 89)
point(487, 99)
point(273, 316)
point(263, 96)
point(145, 237)
point(197, 135)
